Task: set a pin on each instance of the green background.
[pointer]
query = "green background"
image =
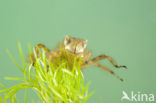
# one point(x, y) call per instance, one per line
point(122, 29)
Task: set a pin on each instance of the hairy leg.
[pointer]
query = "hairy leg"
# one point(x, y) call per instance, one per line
point(42, 47)
point(100, 66)
point(103, 56)
point(52, 56)
point(87, 56)
point(108, 70)
point(31, 57)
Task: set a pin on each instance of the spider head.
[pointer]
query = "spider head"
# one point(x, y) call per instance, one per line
point(75, 45)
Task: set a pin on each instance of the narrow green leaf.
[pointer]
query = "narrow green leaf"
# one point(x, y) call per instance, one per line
point(17, 79)
point(29, 48)
point(14, 60)
point(21, 54)
point(25, 96)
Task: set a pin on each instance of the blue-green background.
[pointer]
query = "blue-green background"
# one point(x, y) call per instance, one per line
point(122, 29)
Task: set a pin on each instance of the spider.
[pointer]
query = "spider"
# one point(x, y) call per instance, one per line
point(76, 47)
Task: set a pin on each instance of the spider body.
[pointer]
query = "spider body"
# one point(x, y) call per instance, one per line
point(75, 47)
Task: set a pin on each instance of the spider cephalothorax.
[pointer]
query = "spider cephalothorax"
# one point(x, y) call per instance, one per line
point(75, 45)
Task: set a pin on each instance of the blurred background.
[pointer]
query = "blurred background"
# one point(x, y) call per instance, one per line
point(122, 29)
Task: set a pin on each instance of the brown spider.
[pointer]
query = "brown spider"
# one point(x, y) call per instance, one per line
point(75, 47)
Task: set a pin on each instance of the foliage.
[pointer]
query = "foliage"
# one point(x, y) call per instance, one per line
point(58, 84)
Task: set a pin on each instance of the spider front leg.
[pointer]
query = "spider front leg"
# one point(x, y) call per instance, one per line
point(87, 56)
point(41, 46)
point(90, 63)
point(103, 56)
point(31, 57)
point(108, 70)
point(95, 60)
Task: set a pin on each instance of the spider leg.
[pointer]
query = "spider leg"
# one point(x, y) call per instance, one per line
point(103, 56)
point(87, 56)
point(108, 70)
point(86, 64)
point(31, 57)
point(52, 56)
point(41, 46)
